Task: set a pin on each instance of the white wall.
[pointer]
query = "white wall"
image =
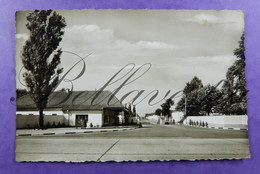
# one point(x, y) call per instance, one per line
point(71, 119)
point(155, 119)
point(31, 121)
point(30, 118)
point(221, 121)
point(95, 119)
point(177, 116)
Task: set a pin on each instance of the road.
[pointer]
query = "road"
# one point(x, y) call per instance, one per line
point(152, 142)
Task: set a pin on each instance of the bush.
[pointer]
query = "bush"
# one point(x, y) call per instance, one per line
point(237, 109)
point(91, 125)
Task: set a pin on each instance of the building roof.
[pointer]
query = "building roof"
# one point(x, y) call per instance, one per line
point(75, 100)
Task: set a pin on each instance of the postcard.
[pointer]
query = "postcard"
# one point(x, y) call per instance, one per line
point(130, 85)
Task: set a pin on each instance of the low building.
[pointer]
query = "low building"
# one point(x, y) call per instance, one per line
point(77, 108)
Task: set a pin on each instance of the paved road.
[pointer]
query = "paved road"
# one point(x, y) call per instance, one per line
point(170, 131)
point(153, 142)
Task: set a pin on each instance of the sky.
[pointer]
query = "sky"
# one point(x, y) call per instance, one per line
point(169, 46)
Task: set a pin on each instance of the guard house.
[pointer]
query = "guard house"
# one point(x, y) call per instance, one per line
point(78, 108)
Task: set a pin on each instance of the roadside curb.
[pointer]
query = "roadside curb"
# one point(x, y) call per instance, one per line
point(223, 128)
point(228, 128)
point(72, 132)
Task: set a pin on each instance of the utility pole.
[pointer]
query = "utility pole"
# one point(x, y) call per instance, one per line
point(185, 112)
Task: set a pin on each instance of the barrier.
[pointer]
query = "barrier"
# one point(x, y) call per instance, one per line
point(31, 121)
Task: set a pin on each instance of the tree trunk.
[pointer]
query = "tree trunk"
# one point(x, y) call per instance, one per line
point(41, 119)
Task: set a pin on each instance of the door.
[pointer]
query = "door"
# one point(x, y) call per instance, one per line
point(81, 120)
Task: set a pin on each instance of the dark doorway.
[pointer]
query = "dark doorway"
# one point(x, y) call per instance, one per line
point(81, 120)
point(111, 117)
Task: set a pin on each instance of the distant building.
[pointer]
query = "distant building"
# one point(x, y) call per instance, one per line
point(76, 109)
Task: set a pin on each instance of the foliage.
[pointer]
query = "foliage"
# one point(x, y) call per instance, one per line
point(193, 85)
point(20, 93)
point(158, 111)
point(41, 56)
point(194, 104)
point(231, 99)
point(191, 94)
point(130, 109)
point(234, 88)
point(200, 101)
point(134, 111)
point(211, 98)
point(166, 107)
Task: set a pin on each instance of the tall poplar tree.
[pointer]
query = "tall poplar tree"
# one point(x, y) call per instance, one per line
point(234, 88)
point(134, 111)
point(41, 56)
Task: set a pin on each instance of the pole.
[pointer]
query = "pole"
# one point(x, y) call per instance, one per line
point(185, 113)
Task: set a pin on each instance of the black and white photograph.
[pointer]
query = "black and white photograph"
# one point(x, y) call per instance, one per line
point(130, 85)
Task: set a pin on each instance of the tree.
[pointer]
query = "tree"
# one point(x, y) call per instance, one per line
point(203, 101)
point(234, 88)
point(193, 103)
point(20, 92)
point(158, 112)
point(166, 107)
point(134, 111)
point(41, 56)
point(210, 99)
point(199, 100)
point(130, 109)
point(194, 84)
point(191, 96)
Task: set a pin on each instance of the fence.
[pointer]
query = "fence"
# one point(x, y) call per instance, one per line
point(31, 121)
